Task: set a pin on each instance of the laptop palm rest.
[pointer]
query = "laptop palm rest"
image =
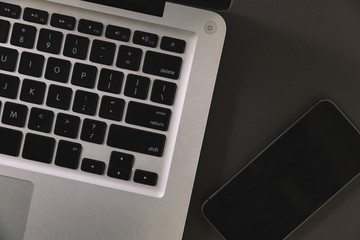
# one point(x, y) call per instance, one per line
point(15, 199)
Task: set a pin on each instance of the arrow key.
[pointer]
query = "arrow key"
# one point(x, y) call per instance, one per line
point(145, 177)
point(119, 173)
point(93, 166)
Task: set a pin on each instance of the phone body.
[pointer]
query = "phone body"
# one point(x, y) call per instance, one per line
point(290, 179)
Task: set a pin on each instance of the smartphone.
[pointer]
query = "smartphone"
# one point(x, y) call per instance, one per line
point(290, 179)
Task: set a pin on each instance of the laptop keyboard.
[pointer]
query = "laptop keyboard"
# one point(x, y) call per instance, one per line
point(71, 86)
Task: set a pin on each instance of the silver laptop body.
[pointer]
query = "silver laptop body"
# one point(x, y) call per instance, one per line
point(98, 197)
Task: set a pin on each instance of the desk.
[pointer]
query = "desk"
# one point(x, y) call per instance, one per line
point(280, 57)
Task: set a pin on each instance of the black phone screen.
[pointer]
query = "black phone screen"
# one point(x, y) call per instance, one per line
point(291, 179)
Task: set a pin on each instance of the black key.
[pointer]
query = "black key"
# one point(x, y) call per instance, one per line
point(58, 70)
point(162, 65)
point(129, 58)
point(145, 177)
point(84, 75)
point(31, 64)
point(110, 81)
point(14, 114)
point(67, 125)
point(9, 86)
point(93, 131)
point(49, 41)
point(148, 116)
point(38, 148)
point(137, 86)
point(10, 10)
point(173, 45)
point(119, 173)
point(118, 33)
point(136, 140)
point(62, 21)
point(76, 46)
point(121, 160)
point(4, 33)
point(59, 97)
point(102, 52)
point(8, 59)
point(90, 27)
point(10, 141)
point(145, 39)
point(41, 120)
point(35, 16)
point(23, 35)
point(163, 92)
point(111, 108)
point(93, 166)
point(68, 154)
point(33, 91)
point(85, 102)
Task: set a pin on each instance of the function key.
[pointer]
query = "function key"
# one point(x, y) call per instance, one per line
point(118, 33)
point(145, 39)
point(90, 27)
point(35, 16)
point(173, 45)
point(4, 26)
point(10, 10)
point(63, 21)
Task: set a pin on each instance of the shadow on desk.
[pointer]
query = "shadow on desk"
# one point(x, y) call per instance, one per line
point(275, 66)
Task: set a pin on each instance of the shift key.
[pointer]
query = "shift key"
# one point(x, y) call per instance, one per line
point(136, 140)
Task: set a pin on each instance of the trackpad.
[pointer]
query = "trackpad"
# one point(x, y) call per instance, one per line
point(15, 199)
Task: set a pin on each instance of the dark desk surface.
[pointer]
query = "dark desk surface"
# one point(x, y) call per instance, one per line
point(280, 57)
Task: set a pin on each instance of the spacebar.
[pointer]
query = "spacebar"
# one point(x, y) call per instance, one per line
point(136, 140)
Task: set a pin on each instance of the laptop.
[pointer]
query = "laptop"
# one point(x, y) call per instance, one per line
point(103, 108)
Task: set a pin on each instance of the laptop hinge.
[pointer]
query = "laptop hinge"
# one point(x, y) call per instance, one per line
point(152, 7)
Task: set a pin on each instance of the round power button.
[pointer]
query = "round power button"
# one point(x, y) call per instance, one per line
point(210, 27)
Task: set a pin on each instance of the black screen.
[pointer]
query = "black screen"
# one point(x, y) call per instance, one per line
point(156, 7)
point(290, 180)
point(208, 4)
